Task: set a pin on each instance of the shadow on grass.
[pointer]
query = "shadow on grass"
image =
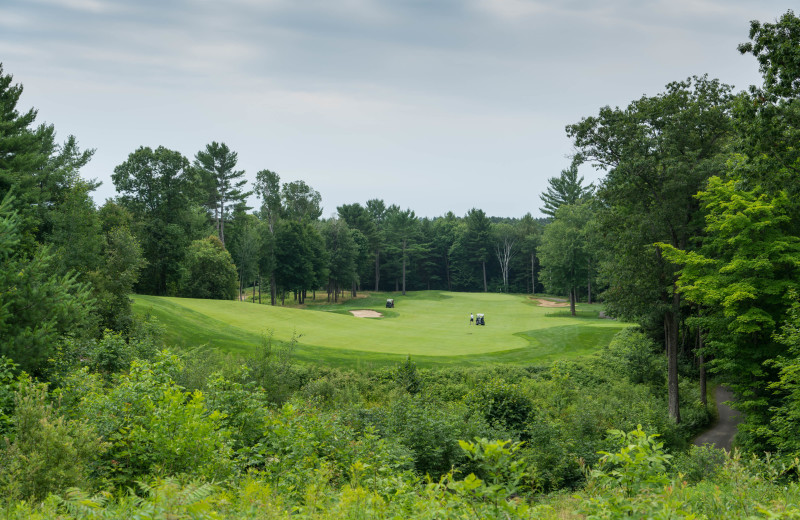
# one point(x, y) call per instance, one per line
point(565, 313)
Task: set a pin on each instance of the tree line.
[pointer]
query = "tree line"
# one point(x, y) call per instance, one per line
point(285, 246)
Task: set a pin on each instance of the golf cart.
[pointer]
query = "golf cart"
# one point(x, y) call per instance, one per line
point(390, 303)
point(479, 319)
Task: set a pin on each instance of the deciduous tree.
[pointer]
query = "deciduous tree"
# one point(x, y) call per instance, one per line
point(658, 152)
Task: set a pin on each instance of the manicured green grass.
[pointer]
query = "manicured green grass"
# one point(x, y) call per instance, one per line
point(432, 326)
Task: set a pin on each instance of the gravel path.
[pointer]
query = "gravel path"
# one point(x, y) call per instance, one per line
point(721, 434)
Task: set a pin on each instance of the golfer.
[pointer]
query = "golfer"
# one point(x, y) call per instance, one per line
point(471, 318)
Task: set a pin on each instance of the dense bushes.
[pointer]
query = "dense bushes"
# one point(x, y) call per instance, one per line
point(402, 441)
point(45, 453)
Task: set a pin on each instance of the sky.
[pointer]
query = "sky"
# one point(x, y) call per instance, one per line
point(436, 106)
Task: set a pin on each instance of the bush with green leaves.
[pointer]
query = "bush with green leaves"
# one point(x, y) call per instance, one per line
point(154, 426)
point(44, 452)
point(209, 271)
point(623, 482)
point(8, 388)
point(243, 405)
point(430, 430)
point(634, 355)
point(503, 404)
point(297, 443)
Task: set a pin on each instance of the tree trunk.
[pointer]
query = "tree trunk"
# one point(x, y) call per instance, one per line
point(222, 222)
point(254, 291)
point(404, 268)
point(377, 268)
point(589, 284)
point(533, 273)
point(671, 340)
point(572, 301)
point(260, 281)
point(354, 293)
point(701, 360)
point(447, 272)
point(273, 290)
point(485, 287)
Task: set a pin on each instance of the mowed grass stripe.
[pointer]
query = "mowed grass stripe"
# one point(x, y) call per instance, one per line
point(429, 325)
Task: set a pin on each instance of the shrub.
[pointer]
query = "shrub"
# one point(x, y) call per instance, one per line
point(47, 453)
point(155, 427)
point(633, 354)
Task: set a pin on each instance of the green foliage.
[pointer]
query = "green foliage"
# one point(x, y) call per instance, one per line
point(743, 275)
point(8, 387)
point(775, 46)
point(639, 464)
point(502, 404)
point(115, 278)
point(565, 190)
point(271, 367)
point(565, 252)
point(699, 463)
point(503, 474)
point(634, 354)
point(221, 186)
point(407, 377)
point(155, 427)
point(782, 429)
point(209, 271)
point(46, 453)
point(430, 431)
point(160, 190)
point(37, 306)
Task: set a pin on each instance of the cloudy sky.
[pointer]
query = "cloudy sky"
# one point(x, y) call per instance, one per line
point(439, 105)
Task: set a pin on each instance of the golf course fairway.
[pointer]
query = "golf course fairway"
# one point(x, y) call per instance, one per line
point(431, 326)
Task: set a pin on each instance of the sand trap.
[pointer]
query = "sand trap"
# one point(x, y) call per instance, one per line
point(548, 303)
point(366, 314)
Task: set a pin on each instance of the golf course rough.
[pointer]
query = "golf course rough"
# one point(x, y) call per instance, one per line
point(429, 325)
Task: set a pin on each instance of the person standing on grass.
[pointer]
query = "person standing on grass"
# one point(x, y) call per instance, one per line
point(471, 318)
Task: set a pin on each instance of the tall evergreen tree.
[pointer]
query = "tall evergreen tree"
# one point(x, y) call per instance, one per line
point(377, 211)
point(222, 184)
point(478, 239)
point(268, 190)
point(342, 255)
point(33, 166)
point(402, 236)
point(567, 188)
point(358, 218)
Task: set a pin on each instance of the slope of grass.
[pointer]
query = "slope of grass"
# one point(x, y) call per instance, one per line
point(431, 326)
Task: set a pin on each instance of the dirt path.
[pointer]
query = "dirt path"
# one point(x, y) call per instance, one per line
point(721, 434)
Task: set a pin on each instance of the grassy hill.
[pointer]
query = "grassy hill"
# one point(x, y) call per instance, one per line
point(432, 326)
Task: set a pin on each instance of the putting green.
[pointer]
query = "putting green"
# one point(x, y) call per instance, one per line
point(429, 325)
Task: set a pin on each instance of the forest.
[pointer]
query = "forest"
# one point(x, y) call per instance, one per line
point(692, 235)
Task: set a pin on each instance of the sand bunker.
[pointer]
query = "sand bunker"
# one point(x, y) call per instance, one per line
point(548, 303)
point(366, 314)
